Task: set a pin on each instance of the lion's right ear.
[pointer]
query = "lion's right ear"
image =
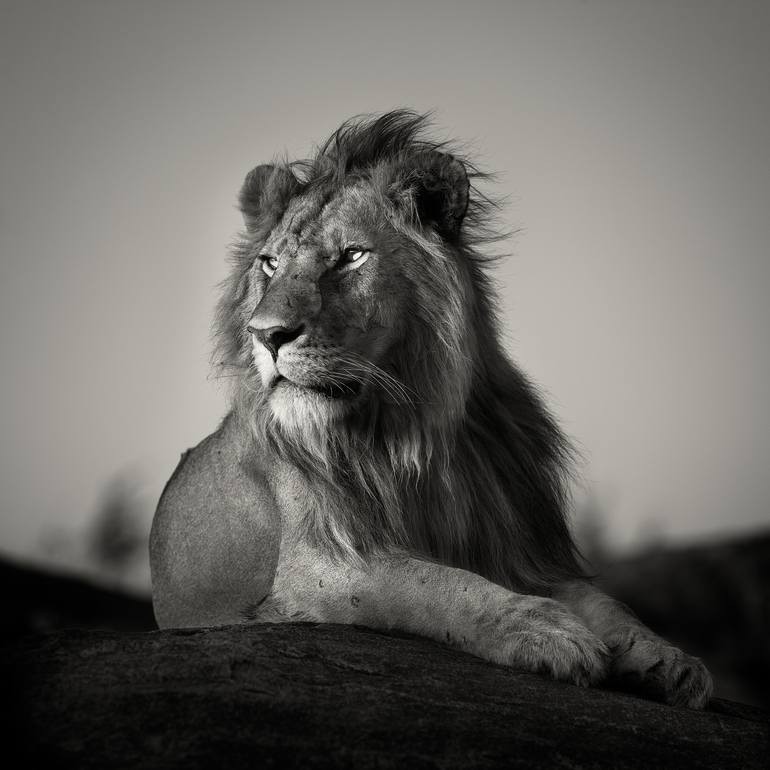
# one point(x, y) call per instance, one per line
point(437, 187)
point(266, 189)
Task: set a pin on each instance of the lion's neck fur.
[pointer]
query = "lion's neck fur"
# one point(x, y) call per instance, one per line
point(483, 491)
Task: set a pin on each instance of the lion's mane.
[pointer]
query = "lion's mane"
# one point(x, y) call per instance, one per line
point(467, 467)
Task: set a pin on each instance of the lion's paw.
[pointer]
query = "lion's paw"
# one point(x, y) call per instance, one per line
point(659, 670)
point(542, 636)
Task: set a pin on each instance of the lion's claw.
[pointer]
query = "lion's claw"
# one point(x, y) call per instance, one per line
point(660, 671)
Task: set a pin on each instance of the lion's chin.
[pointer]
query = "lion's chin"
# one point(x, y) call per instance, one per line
point(297, 407)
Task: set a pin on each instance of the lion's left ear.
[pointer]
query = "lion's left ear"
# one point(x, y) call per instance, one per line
point(440, 187)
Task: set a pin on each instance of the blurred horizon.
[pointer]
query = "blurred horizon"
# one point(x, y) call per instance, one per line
point(630, 140)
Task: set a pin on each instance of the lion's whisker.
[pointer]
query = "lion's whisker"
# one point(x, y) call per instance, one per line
point(391, 384)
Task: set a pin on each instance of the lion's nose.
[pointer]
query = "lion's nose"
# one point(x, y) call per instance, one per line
point(274, 336)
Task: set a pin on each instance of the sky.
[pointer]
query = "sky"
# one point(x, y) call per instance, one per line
point(629, 138)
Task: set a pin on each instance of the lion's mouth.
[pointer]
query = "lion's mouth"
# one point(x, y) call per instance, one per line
point(347, 389)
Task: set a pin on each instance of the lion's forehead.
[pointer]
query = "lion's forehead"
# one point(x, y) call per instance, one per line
point(321, 222)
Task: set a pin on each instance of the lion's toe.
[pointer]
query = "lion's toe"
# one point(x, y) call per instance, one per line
point(663, 672)
point(559, 645)
point(688, 684)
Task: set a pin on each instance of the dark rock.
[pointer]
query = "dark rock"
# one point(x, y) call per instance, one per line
point(332, 696)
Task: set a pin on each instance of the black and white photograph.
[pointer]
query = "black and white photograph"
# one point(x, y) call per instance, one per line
point(385, 384)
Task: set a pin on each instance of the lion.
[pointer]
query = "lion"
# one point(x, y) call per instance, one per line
point(384, 463)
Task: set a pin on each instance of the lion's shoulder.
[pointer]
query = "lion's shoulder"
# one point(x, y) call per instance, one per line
point(214, 535)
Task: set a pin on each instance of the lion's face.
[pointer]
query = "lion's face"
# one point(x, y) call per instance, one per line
point(351, 295)
point(332, 291)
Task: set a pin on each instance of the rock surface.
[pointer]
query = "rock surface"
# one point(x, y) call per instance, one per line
point(331, 696)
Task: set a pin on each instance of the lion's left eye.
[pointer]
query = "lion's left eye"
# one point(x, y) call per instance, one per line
point(354, 256)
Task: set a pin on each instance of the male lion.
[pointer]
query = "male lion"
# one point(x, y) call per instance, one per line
point(384, 463)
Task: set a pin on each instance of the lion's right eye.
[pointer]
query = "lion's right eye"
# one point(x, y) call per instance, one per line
point(269, 264)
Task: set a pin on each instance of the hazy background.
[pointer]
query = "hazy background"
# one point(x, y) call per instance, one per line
point(631, 137)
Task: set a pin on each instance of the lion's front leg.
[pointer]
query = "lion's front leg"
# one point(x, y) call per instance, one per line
point(641, 659)
point(449, 605)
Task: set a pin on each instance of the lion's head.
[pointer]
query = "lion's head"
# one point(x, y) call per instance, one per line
point(354, 277)
point(359, 320)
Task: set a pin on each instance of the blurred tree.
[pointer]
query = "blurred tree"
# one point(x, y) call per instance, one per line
point(118, 537)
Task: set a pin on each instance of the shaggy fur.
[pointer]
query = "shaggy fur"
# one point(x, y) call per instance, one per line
point(454, 457)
